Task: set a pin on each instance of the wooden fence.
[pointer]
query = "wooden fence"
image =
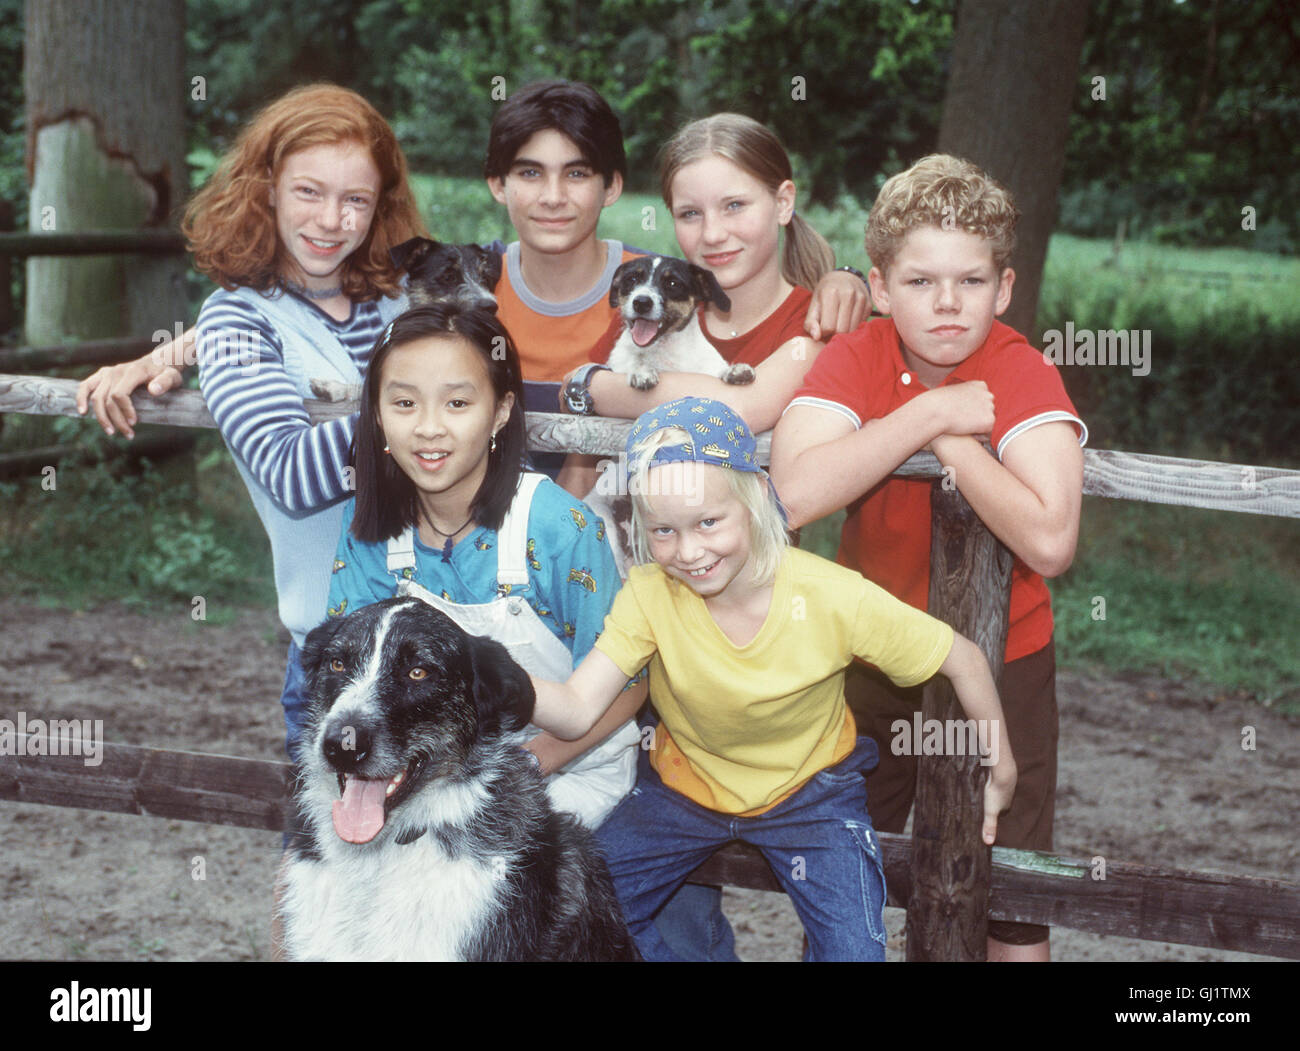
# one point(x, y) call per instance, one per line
point(949, 881)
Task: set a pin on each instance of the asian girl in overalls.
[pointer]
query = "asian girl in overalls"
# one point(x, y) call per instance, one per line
point(444, 512)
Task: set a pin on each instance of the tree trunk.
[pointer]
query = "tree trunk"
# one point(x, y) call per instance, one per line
point(1010, 92)
point(105, 93)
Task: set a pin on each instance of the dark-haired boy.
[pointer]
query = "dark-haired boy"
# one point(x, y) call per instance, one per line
point(555, 159)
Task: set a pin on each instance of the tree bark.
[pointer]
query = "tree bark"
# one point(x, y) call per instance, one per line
point(1012, 86)
point(105, 92)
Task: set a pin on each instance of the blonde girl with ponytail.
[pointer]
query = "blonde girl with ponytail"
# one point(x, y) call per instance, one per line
point(728, 184)
point(722, 147)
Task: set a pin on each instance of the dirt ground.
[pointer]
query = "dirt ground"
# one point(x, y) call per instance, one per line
point(1152, 770)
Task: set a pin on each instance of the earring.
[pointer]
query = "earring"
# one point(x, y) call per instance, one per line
point(492, 445)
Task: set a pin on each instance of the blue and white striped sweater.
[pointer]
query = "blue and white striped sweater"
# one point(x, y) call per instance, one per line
point(260, 412)
point(257, 355)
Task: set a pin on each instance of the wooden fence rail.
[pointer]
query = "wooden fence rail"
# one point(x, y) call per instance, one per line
point(1238, 913)
point(87, 352)
point(96, 242)
point(1117, 475)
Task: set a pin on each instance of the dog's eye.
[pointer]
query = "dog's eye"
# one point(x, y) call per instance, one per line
point(336, 664)
point(418, 673)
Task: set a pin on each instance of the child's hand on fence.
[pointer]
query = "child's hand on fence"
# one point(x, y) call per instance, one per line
point(963, 408)
point(108, 390)
point(998, 792)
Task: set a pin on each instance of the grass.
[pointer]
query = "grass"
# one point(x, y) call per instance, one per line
point(1201, 283)
point(1206, 595)
point(160, 537)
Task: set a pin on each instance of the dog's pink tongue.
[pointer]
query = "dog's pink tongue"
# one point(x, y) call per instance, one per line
point(359, 815)
point(643, 332)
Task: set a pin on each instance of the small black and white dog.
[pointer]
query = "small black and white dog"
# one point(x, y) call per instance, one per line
point(429, 834)
point(658, 299)
point(464, 274)
point(439, 273)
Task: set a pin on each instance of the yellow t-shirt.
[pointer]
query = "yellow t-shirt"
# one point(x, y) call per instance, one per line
point(742, 727)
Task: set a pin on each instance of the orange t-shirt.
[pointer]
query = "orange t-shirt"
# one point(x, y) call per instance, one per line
point(555, 338)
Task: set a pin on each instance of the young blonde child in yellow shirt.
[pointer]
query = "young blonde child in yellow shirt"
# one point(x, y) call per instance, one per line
point(747, 639)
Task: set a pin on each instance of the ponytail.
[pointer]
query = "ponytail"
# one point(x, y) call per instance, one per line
point(806, 256)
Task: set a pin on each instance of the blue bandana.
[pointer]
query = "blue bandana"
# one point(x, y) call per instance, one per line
point(716, 435)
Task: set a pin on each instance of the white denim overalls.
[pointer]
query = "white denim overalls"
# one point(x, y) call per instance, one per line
point(590, 785)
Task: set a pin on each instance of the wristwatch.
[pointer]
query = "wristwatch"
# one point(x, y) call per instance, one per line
point(575, 396)
point(854, 271)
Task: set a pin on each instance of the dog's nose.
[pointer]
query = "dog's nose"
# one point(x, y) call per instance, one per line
point(346, 746)
point(643, 304)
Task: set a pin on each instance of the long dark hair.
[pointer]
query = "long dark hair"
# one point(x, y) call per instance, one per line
point(386, 498)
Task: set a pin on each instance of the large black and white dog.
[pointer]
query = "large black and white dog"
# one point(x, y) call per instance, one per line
point(430, 835)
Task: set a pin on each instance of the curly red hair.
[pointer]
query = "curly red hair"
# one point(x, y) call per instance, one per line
point(229, 224)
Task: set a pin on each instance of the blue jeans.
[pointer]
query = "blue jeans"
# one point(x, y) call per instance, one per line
point(694, 927)
point(819, 843)
point(293, 699)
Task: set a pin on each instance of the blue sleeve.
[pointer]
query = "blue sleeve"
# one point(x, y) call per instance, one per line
point(357, 579)
point(575, 570)
point(260, 414)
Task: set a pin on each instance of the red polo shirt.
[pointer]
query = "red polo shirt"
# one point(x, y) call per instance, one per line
point(887, 534)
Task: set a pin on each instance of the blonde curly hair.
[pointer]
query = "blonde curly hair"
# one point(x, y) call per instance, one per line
point(947, 192)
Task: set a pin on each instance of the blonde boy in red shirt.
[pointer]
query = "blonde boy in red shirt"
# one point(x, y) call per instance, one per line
point(936, 374)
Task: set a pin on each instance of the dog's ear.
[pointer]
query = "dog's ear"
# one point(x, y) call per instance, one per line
point(312, 657)
point(491, 269)
point(503, 692)
point(408, 254)
point(614, 281)
point(708, 289)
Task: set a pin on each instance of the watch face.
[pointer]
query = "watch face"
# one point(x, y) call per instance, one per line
point(578, 398)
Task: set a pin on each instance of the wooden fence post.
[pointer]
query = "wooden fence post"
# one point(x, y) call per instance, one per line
point(970, 580)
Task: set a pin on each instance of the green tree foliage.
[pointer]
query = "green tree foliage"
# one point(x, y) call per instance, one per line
point(13, 183)
point(852, 88)
point(1200, 119)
